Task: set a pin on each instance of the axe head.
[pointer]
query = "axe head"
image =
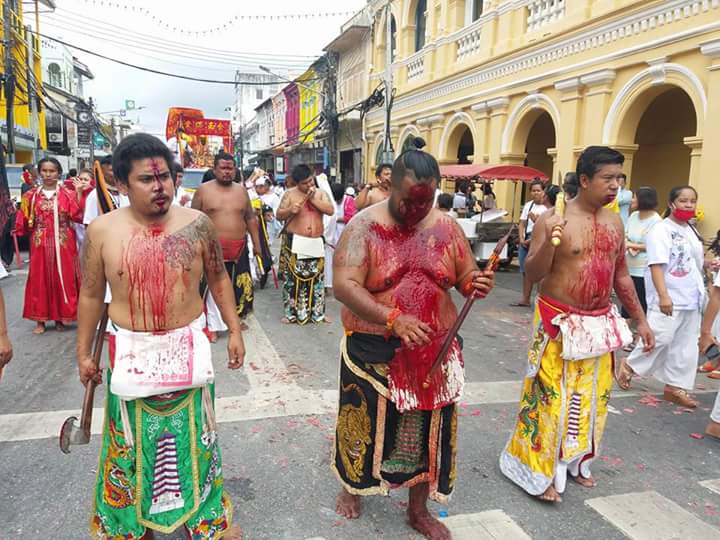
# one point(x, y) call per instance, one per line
point(71, 434)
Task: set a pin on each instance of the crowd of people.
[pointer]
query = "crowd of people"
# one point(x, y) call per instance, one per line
point(174, 268)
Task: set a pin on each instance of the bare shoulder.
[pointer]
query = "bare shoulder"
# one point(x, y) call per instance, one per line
point(608, 217)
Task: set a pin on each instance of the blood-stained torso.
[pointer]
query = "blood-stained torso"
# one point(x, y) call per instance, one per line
point(411, 269)
point(309, 221)
point(154, 271)
point(585, 264)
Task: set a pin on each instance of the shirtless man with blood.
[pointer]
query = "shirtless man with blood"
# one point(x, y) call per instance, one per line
point(228, 206)
point(395, 265)
point(565, 395)
point(153, 254)
point(378, 191)
point(303, 249)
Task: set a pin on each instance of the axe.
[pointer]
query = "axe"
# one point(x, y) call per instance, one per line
point(71, 433)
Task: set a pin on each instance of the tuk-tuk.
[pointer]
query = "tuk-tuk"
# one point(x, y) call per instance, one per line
point(484, 229)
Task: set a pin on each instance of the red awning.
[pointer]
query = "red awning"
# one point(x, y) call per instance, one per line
point(492, 172)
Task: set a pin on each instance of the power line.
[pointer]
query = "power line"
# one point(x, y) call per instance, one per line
point(149, 47)
point(150, 70)
point(82, 20)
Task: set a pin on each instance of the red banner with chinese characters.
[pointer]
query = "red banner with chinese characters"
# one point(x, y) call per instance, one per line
point(199, 133)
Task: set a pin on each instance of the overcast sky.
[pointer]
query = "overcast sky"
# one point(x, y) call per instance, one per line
point(136, 38)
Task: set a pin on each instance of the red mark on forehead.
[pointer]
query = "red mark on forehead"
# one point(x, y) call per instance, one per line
point(155, 166)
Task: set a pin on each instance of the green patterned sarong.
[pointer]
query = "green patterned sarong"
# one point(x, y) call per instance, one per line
point(170, 477)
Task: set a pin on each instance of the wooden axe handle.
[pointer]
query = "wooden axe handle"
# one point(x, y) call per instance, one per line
point(87, 407)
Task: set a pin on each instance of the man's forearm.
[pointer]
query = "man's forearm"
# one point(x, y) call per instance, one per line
point(254, 228)
point(625, 290)
point(222, 290)
point(363, 304)
point(90, 310)
point(361, 200)
point(539, 262)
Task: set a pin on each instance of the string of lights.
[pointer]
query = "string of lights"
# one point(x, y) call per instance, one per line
point(230, 20)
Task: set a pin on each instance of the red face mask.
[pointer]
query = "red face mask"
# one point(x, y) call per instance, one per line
point(683, 215)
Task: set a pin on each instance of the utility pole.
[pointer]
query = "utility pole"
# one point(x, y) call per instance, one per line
point(331, 113)
point(9, 81)
point(387, 153)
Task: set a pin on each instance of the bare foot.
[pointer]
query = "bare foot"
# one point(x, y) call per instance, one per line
point(243, 326)
point(713, 429)
point(348, 505)
point(39, 329)
point(233, 533)
point(285, 320)
point(149, 535)
point(60, 327)
point(584, 482)
point(428, 526)
point(550, 495)
point(326, 320)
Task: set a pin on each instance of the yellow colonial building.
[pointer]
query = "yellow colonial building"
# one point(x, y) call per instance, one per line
point(536, 81)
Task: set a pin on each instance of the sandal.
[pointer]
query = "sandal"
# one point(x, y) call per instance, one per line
point(679, 397)
point(624, 376)
point(708, 367)
point(714, 374)
point(519, 304)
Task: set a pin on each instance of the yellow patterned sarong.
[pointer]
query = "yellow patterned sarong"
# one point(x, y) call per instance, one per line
point(563, 409)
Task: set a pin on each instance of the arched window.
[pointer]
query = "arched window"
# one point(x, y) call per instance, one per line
point(420, 20)
point(55, 76)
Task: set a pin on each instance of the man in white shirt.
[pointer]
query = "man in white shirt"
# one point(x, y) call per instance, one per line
point(182, 196)
point(532, 210)
point(92, 210)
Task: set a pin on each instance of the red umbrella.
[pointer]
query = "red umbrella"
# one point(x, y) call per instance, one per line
point(492, 172)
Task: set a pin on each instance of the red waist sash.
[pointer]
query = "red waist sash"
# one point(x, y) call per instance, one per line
point(232, 249)
point(549, 308)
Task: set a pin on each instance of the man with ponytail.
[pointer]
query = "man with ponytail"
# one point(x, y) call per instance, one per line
point(393, 270)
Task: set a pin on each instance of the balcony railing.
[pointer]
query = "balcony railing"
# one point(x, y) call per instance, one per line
point(416, 68)
point(468, 43)
point(544, 12)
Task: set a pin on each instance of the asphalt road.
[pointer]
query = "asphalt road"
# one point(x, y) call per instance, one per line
point(277, 424)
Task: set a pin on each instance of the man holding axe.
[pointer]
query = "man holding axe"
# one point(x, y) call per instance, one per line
point(160, 465)
point(393, 270)
point(578, 257)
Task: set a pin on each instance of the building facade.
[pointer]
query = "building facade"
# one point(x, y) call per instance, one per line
point(353, 48)
point(536, 81)
point(63, 83)
point(28, 111)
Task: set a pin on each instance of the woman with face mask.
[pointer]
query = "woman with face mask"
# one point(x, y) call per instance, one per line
point(675, 295)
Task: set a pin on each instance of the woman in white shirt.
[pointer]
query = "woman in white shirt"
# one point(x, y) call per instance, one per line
point(675, 293)
point(639, 224)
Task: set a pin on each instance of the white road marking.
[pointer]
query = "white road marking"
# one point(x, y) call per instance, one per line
point(263, 366)
point(650, 516)
point(712, 485)
point(490, 525)
point(273, 394)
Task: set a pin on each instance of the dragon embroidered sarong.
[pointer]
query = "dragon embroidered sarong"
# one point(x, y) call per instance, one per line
point(563, 409)
point(171, 476)
point(377, 448)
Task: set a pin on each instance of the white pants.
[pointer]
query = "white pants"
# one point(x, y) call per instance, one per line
point(329, 252)
point(214, 319)
point(675, 356)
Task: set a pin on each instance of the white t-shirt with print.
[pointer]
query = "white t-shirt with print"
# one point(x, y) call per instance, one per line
point(679, 250)
point(91, 205)
point(531, 207)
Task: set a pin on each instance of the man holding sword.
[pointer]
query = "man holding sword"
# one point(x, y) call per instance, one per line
point(394, 267)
